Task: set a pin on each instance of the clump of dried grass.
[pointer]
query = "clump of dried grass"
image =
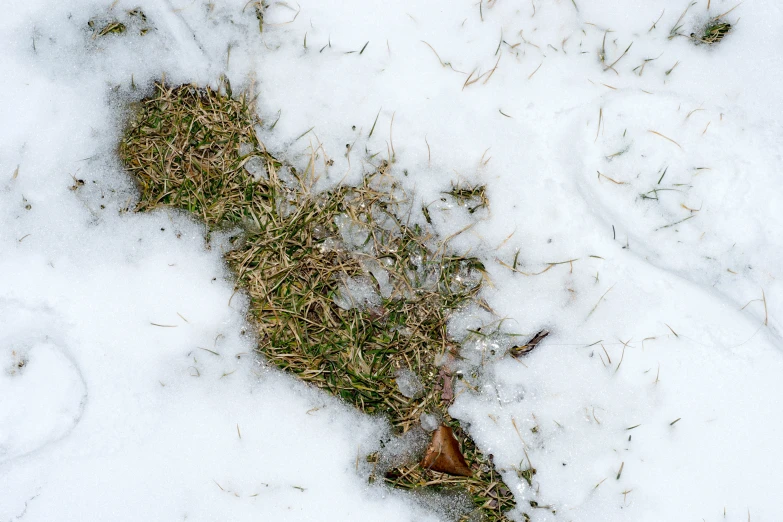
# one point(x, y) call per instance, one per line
point(299, 254)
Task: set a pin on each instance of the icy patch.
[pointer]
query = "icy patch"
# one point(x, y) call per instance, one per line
point(356, 292)
point(355, 236)
point(380, 275)
point(429, 422)
point(256, 167)
point(408, 383)
point(404, 450)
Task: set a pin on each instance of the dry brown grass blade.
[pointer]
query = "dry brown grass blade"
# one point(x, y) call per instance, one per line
point(665, 137)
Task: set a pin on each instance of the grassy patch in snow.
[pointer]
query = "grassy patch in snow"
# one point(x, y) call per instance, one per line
point(473, 197)
point(713, 31)
point(345, 292)
point(710, 32)
point(134, 20)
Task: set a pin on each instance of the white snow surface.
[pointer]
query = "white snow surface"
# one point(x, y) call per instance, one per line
point(127, 386)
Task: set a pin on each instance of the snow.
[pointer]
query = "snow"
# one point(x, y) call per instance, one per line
point(409, 384)
point(429, 422)
point(138, 397)
point(128, 387)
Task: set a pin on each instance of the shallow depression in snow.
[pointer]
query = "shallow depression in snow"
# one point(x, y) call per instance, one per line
point(43, 391)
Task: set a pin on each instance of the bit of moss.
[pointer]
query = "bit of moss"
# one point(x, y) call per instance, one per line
point(297, 254)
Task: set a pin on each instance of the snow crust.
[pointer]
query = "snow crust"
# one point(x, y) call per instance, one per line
point(128, 389)
point(127, 386)
point(663, 297)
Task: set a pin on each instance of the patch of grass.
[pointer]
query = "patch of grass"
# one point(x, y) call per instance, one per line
point(473, 197)
point(713, 31)
point(134, 20)
point(110, 27)
point(490, 496)
point(344, 291)
point(258, 7)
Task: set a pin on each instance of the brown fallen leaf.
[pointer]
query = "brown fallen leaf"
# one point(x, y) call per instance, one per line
point(519, 351)
point(443, 454)
point(446, 387)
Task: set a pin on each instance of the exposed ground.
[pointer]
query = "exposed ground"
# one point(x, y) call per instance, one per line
point(345, 290)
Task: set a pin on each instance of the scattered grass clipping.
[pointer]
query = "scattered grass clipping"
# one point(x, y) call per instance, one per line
point(344, 292)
